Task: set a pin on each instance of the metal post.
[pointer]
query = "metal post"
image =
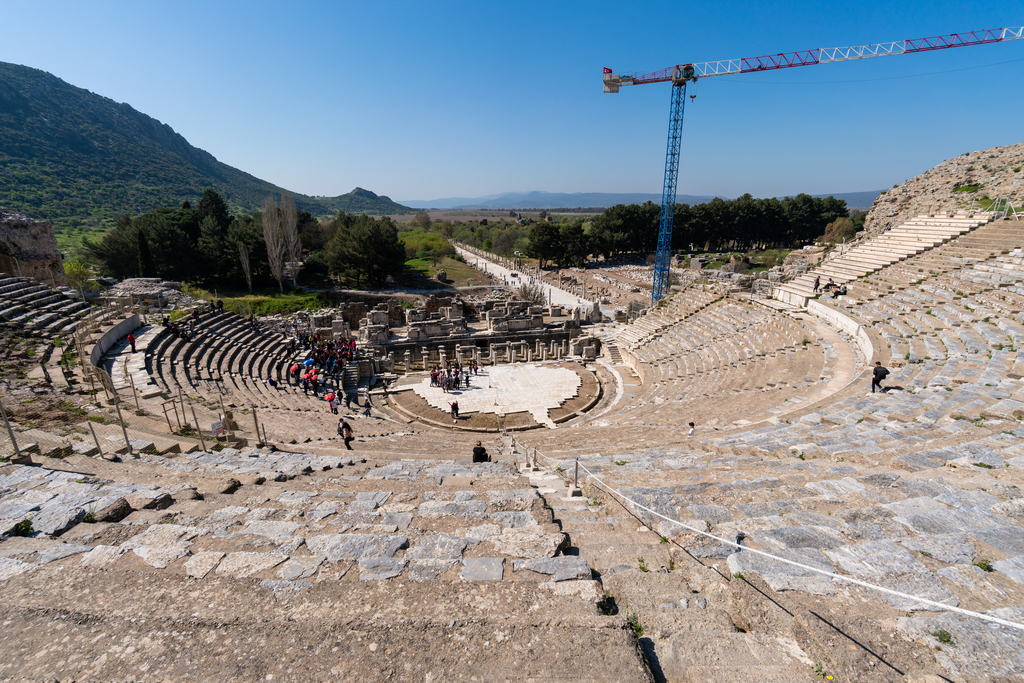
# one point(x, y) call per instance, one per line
point(223, 411)
point(199, 430)
point(265, 441)
point(168, 418)
point(132, 383)
point(256, 422)
point(576, 475)
point(10, 432)
point(181, 399)
point(98, 446)
point(117, 404)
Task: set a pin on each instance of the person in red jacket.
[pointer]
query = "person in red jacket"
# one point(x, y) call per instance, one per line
point(131, 342)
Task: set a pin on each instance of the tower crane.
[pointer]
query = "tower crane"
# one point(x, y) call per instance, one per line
point(681, 74)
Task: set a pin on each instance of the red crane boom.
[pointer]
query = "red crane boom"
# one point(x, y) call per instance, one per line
point(823, 55)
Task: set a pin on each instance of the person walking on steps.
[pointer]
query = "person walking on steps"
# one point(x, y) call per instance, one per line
point(345, 432)
point(131, 341)
point(878, 374)
point(693, 429)
point(367, 407)
point(817, 284)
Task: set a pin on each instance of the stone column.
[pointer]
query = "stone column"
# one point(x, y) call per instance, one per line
point(529, 355)
point(408, 361)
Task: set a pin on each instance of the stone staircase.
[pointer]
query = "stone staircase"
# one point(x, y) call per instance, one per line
point(913, 237)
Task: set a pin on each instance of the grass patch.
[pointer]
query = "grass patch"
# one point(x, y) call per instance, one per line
point(985, 566)
point(457, 272)
point(633, 619)
point(265, 302)
point(944, 637)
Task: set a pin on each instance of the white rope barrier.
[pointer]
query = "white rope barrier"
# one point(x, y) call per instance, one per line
point(831, 575)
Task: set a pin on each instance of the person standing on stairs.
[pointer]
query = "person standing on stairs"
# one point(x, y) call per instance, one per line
point(131, 341)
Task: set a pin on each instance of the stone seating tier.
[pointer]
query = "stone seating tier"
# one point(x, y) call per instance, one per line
point(38, 308)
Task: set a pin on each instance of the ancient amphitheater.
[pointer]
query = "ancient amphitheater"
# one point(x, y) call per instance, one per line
point(808, 530)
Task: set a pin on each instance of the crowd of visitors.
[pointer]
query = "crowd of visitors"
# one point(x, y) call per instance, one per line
point(453, 375)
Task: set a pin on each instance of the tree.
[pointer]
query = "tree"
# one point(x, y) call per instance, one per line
point(77, 273)
point(273, 237)
point(213, 206)
point(543, 244)
point(534, 294)
point(118, 251)
point(290, 229)
point(173, 252)
point(366, 247)
point(573, 245)
point(839, 230)
point(147, 268)
point(243, 257)
point(214, 247)
point(422, 220)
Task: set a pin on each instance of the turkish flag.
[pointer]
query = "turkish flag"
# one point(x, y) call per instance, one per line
point(607, 70)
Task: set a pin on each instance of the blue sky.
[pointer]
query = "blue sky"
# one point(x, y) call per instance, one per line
point(427, 100)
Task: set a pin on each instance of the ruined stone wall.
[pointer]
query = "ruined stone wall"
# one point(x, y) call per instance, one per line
point(999, 171)
point(28, 248)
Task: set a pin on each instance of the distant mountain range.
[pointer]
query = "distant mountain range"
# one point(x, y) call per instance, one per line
point(555, 200)
point(80, 160)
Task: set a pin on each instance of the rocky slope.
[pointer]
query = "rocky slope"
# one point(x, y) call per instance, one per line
point(992, 173)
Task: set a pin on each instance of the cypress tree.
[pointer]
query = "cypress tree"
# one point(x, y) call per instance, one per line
point(147, 268)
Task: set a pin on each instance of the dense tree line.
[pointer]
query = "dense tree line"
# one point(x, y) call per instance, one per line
point(740, 224)
point(209, 245)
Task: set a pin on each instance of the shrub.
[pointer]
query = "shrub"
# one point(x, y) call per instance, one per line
point(24, 527)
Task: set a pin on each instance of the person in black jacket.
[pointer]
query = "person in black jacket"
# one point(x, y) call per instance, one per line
point(480, 453)
point(877, 375)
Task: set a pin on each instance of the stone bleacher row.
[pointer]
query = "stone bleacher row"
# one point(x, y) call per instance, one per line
point(226, 358)
point(913, 237)
point(657, 320)
point(724, 348)
point(36, 308)
point(906, 530)
point(300, 534)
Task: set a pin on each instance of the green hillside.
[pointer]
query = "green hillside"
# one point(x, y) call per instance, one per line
point(81, 160)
